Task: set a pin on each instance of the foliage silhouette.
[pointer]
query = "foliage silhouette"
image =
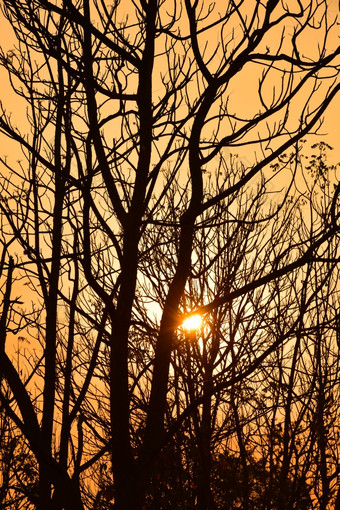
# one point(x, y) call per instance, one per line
point(162, 172)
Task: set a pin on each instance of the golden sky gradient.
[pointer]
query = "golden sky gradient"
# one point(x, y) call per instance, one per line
point(330, 130)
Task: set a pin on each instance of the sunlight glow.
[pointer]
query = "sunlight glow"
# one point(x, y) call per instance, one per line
point(192, 322)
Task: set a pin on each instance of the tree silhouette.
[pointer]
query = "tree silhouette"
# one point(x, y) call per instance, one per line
point(161, 163)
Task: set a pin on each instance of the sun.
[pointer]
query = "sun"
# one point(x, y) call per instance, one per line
point(192, 322)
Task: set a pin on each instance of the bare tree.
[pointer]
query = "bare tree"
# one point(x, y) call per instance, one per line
point(127, 105)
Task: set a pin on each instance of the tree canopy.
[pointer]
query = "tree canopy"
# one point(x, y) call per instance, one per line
point(159, 164)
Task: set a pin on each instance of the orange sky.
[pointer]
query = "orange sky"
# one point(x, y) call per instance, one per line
point(330, 131)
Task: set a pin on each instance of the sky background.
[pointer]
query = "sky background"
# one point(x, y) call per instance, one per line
point(330, 131)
